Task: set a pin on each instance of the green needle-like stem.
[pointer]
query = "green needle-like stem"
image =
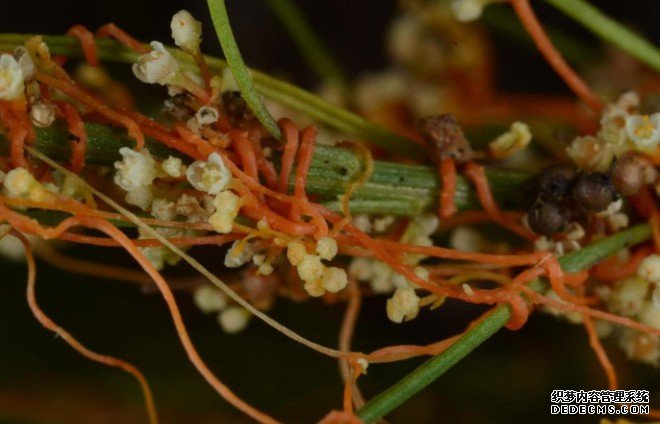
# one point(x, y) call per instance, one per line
point(394, 188)
point(237, 65)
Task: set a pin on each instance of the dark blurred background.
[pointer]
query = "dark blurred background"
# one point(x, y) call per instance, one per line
point(509, 379)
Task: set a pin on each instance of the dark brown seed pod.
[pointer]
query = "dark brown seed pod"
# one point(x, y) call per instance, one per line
point(235, 106)
point(556, 182)
point(445, 138)
point(594, 192)
point(546, 217)
point(628, 176)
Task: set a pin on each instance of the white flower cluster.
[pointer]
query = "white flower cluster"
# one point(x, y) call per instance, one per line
point(317, 277)
point(621, 130)
point(135, 173)
point(383, 279)
point(226, 205)
point(19, 182)
point(638, 298)
point(136, 169)
point(573, 233)
point(210, 300)
point(214, 178)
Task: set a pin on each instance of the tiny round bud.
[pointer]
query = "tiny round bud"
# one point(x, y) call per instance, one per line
point(546, 217)
point(628, 176)
point(186, 31)
point(594, 192)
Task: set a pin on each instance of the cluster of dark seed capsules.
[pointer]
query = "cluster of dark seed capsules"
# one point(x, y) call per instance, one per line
point(561, 194)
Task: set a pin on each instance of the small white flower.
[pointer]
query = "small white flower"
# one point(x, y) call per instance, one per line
point(207, 115)
point(314, 288)
point(310, 268)
point(140, 197)
point(361, 269)
point(18, 182)
point(11, 78)
point(210, 177)
point(466, 239)
point(591, 153)
point(649, 269)
point(404, 304)
point(265, 268)
point(186, 31)
point(644, 130)
point(334, 279)
point(189, 207)
point(469, 10)
point(42, 114)
point(156, 67)
point(173, 167)
point(11, 248)
point(327, 248)
point(640, 346)
point(163, 209)
point(363, 222)
point(233, 319)
point(236, 257)
point(25, 62)
point(295, 252)
point(618, 221)
point(135, 170)
point(74, 188)
point(226, 205)
point(209, 299)
point(627, 296)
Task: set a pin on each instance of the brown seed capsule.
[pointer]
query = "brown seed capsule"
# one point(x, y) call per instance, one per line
point(627, 176)
point(546, 217)
point(594, 192)
point(235, 106)
point(555, 182)
point(445, 138)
